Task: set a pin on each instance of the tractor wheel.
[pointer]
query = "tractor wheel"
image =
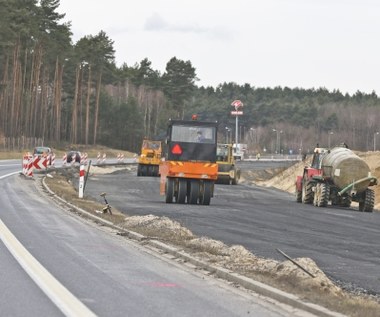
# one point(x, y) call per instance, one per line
point(182, 191)
point(317, 195)
point(169, 190)
point(324, 192)
point(194, 192)
point(307, 191)
point(369, 201)
point(298, 196)
point(205, 193)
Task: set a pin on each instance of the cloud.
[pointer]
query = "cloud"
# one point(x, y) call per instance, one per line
point(156, 23)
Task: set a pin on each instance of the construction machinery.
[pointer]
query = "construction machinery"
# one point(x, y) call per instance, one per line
point(149, 159)
point(337, 176)
point(189, 170)
point(239, 150)
point(228, 173)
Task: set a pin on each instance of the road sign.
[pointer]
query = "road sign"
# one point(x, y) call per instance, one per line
point(40, 163)
point(237, 104)
point(236, 113)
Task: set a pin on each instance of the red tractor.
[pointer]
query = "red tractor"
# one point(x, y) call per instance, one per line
point(338, 176)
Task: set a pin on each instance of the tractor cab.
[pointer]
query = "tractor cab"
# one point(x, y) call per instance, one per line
point(319, 153)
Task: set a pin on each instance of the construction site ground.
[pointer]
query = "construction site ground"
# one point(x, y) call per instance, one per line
point(283, 275)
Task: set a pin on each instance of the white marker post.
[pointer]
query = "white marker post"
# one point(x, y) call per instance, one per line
point(81, 181)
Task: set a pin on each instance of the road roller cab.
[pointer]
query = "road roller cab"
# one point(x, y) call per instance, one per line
point(189, 170)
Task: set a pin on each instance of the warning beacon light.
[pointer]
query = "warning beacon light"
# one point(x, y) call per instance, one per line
point(194, 117)
point(177, 150)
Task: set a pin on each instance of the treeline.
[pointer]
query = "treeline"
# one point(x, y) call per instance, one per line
point(58, 92)
point(293, 120)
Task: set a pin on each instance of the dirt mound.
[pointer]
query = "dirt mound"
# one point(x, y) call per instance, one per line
point(235, 258)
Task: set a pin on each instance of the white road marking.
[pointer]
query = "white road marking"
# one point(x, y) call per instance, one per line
point(58, 294)
point(339, 215)
point(10, 165)
point(10, 174)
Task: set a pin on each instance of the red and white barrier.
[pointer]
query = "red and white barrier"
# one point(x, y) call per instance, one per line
point(64, 159)
point(52, 161)
point(40, 163)
point(83, 159)
point(98, 158)
point(30, 162)
point(81, 181)
point(104, 158)
point(27, 165)
point(120, 158)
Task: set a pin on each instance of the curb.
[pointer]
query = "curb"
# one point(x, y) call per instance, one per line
point(255, 286)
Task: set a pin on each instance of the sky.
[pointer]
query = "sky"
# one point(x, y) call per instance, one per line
point(333, 44)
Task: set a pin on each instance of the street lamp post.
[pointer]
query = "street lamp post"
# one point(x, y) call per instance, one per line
point(374, 141)
point(278, 140)
point(253, 135)
point(227, 131)
point(330, 134)
point(274, 130)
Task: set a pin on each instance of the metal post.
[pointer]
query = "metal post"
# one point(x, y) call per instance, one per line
point(237, 130)
point(374, 141)
point(276, 148)
point(81, 181)
point(330, 133)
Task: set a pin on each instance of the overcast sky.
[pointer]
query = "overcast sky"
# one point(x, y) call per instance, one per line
point(295, 43)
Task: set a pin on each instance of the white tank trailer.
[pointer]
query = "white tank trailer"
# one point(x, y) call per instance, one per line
point(345, 168)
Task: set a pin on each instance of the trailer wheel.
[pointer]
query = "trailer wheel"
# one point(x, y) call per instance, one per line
point(307, 191)
point(346, 202)
point(169, 190)
point(369, 201)
point(205, 193)
point(194, 192)
point(182, 191)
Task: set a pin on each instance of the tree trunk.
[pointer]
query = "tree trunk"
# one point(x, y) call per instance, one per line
point(98, 86)
point(74, 117)
point(87, 124)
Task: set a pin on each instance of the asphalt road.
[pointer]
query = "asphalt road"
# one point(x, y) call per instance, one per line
point(107, 273)
point(343, 242)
